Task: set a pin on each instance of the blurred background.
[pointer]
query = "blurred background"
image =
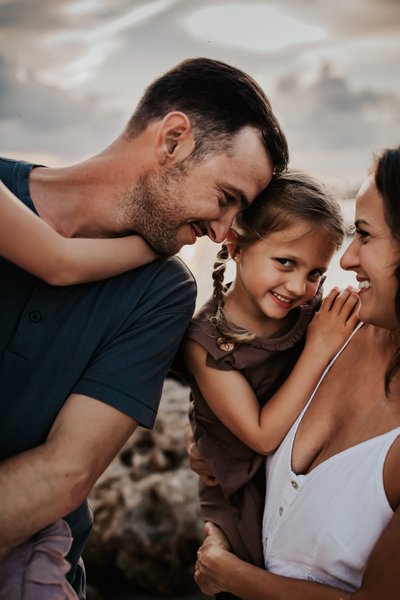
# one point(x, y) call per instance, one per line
point(71, 73)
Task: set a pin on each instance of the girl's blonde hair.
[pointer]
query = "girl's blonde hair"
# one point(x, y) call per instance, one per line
point(291, 197)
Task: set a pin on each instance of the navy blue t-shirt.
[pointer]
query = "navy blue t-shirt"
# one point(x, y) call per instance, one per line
point(112, 340)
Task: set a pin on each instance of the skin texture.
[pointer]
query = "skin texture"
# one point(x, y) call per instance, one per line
point(31, 244)
point(339, 417)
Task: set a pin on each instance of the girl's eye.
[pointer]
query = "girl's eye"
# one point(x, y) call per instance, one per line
point(285, 262)
point(315, 275)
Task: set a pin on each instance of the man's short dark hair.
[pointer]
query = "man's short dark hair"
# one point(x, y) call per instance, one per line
point(219, 100)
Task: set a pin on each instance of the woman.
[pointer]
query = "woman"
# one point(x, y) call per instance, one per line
point(332, 515)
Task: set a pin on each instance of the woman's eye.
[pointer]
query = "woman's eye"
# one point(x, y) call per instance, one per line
point(362, 235)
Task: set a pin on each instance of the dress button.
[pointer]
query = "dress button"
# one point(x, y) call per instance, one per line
point(294, 484)
point(280, 510)
point(35, 316)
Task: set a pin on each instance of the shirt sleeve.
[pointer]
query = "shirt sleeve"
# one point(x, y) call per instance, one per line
point(128, 371)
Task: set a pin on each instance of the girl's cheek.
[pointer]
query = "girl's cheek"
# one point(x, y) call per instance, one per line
point(312, 290)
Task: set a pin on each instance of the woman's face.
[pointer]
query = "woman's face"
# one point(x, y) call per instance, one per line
point(374, 256)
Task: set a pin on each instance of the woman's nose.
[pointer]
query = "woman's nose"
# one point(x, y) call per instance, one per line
point(349, 259)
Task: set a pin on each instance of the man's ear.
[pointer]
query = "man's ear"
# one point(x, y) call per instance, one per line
point(174, 138)
point(231, 242)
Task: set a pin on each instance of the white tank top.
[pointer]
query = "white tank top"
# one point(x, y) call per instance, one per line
point(322, 526)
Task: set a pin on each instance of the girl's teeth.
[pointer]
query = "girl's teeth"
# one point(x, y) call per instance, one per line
point(364, 285)
point(281, 298)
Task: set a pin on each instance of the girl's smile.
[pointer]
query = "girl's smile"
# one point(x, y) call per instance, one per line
point(276, 275)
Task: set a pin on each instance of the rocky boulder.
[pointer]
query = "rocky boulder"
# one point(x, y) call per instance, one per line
point(147, 520)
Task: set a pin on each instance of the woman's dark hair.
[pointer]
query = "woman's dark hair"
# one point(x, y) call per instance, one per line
point(294, 197)
point(220, 100)
point(386, 170)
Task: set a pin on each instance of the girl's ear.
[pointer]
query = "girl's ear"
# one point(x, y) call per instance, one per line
point(232, 243)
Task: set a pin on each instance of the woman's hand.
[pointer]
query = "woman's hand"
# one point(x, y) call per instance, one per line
point(209, 572)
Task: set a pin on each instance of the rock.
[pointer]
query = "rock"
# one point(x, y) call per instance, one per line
point(147, 519)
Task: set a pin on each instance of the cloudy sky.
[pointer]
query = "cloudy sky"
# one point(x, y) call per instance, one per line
point(72, 71)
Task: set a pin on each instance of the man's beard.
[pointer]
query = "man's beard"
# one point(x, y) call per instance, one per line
point(152, 208)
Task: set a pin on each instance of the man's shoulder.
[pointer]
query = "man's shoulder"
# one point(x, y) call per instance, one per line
point(164, 285)
point(172, 279)
point(13, 173)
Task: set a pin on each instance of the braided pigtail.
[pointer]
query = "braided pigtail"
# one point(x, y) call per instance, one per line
point(219, 288)
point(229, 332)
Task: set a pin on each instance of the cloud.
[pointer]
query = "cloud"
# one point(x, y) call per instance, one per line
point(72, 71)
point(333, 127)
point(358, 17)
point(34, 116)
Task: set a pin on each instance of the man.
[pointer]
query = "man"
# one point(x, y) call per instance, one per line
point(82, 366)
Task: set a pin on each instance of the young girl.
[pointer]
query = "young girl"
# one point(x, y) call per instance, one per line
point(34, 246)
point(36, 569)
point(244, 342)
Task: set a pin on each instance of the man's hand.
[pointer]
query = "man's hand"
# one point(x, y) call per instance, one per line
point(197, 463)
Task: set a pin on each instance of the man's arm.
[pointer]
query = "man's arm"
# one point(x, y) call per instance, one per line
point(46, 483)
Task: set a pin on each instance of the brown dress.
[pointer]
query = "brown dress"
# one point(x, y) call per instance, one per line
point(236, 505)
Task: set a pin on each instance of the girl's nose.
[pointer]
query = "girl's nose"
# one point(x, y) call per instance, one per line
point(296, 285)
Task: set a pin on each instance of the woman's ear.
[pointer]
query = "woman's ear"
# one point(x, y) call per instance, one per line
point(174, 138)
point(232, 243)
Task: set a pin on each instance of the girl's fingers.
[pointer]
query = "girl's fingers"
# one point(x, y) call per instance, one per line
point(350, 305)
point(329, 300)
point(344, 298)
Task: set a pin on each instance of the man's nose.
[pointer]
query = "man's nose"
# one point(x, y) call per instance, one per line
point(218, 229)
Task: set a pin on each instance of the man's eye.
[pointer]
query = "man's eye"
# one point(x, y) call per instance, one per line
point(230, 200)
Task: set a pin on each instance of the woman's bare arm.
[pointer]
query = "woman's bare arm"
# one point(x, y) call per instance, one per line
point(218, 570)
point(34, 246)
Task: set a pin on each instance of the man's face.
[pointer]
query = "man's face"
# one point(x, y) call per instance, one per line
point(175, 206)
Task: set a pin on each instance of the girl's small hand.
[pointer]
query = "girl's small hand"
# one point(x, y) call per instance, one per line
point(333, 323)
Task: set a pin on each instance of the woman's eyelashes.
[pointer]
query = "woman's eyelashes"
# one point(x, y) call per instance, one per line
point(362, 235)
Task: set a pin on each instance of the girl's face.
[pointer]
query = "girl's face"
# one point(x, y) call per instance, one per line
point(373, 255)
point(282, 271)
